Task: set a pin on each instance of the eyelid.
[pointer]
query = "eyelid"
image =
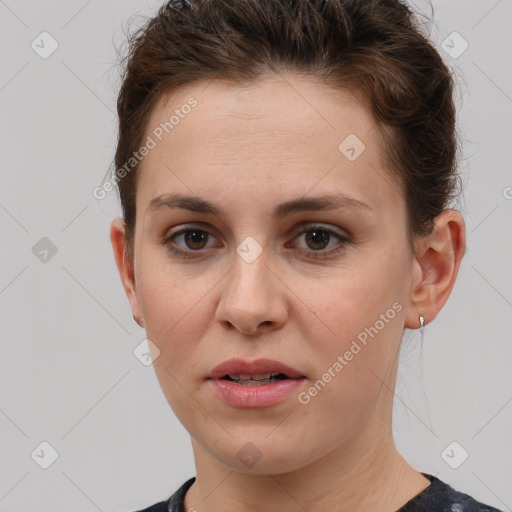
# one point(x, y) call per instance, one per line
point(303, 227)
point(308, 225)
point(175, 232)
point(343, 241)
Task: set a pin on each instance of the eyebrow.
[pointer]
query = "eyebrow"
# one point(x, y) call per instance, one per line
point(199, 205)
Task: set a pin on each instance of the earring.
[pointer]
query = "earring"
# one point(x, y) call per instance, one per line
point(422, 325)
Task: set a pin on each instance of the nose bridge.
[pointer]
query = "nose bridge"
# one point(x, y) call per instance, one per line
point(250, 270)
point(249, 280)
point(251, 296)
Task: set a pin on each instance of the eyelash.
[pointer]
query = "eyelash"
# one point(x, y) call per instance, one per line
point(322, 254)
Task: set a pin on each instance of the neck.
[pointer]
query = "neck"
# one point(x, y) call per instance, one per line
point(365, 474)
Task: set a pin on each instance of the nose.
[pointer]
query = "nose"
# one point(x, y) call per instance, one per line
point(253, 298)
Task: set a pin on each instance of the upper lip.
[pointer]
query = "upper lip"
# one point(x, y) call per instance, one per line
point(256, 367)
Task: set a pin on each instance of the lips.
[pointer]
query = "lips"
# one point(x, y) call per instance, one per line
point(238, 366)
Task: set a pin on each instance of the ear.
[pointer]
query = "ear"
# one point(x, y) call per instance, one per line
point(125, 267)
point(438, 258)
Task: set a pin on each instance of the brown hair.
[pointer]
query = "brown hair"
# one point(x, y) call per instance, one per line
point(371, 47)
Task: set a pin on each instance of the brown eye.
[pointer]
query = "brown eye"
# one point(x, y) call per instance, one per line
point(195, 238)
point(191, 242)
point(187, 241)
point(317, 239)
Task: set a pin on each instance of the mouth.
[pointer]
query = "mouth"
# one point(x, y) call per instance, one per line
point(243, 391)
point(259, 371)
point(257, 379)
point(263, 382)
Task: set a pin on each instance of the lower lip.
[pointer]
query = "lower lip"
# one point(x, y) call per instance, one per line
point(258, 395)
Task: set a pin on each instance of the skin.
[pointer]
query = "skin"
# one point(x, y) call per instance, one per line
point(247, 149)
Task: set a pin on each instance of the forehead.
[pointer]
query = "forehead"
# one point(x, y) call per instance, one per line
point(282, 135)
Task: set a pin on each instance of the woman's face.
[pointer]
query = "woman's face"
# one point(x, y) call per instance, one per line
point(325, 291)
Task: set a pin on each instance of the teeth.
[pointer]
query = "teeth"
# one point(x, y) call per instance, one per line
point(244, 382)
point(262, 376)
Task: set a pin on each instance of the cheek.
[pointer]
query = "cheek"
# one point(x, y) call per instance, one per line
point(167, 292)
point(357, 297)
point(176, 320)
point(364, 311)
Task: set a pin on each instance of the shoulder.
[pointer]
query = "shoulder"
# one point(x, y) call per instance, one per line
point(443, 497)
point(174, 503)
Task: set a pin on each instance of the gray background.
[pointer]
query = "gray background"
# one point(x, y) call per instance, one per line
point(68, 374)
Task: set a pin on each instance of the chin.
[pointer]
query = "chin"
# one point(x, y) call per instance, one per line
point(265, 466)
point(263, 454)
